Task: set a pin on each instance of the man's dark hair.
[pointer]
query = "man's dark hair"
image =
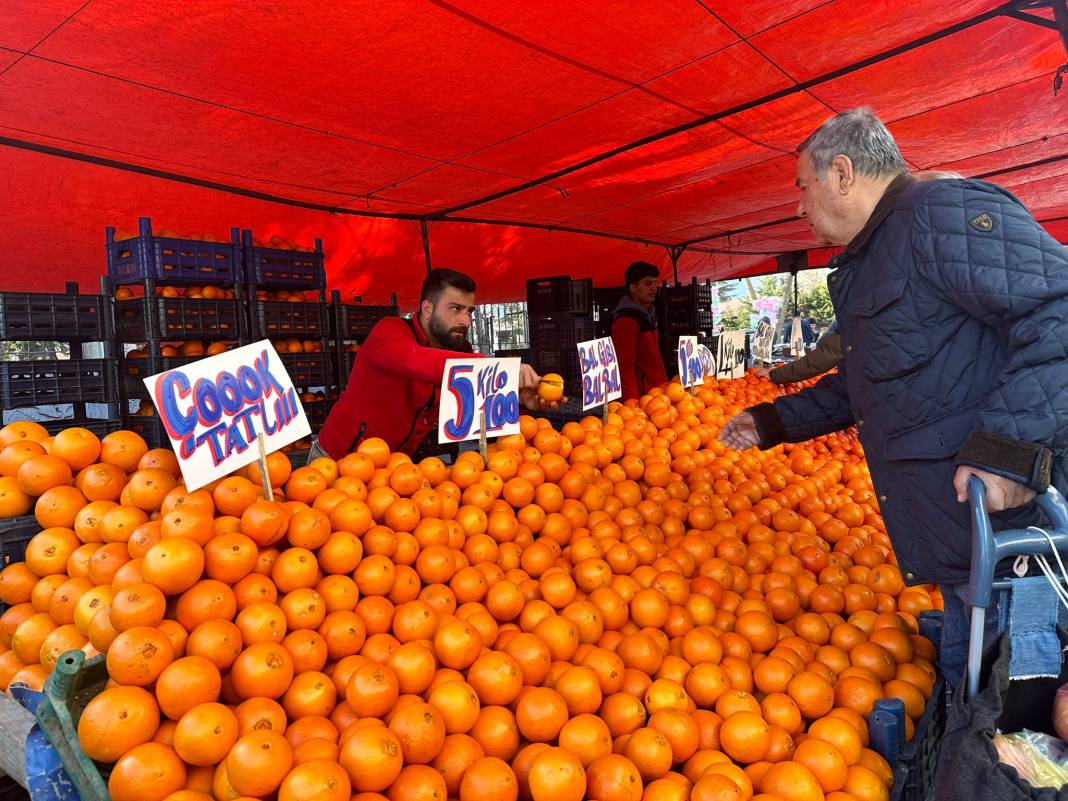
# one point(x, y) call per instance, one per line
point(639, 270)
point(440, 279)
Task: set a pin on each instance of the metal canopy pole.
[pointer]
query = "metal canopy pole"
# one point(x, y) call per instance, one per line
point(424, 232)
point(675, 252)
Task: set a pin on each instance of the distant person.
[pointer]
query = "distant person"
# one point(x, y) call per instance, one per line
point(808, 335)
point(635, 335)
point(393, 391)
point(821, 359)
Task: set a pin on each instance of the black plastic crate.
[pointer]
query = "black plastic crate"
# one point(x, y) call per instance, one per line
point(173, 319)
point(15, 532)
point(99, 426)
point(559, 330)
point(280, 319)
point(691, 294)
point(692, 322)
point(150, 428)
point(559, 293)
point(348, 360)
point(309, 369)
point(605, 300)
point(316, 412)
point(356, 322)
point(136, 370)
point(275, 268)
point(914, 763)
point(52, 317)
point(562, 361)
point(172, 260)
point(45, 381)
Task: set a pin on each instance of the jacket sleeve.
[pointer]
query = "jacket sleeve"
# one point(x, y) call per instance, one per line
point(1015, 280)
point(812, 412)
point(625, 338)
point(824, 357)
point(391, 348)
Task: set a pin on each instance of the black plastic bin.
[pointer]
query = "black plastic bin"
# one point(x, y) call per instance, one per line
point(560, 330)
point(559, 293)
point(46, 381)
point(283, 319)
point(44, 316)
point(174, 319)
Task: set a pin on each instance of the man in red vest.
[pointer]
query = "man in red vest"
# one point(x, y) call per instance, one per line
point(634, 333)
point(393, 390)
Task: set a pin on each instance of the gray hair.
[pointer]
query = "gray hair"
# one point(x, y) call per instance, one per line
point(859, 135)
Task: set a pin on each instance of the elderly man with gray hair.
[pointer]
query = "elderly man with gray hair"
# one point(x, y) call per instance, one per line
point(952, 304)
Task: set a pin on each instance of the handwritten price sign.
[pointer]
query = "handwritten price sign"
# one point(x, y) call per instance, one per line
point(214, 409)
point(600, 372)
point(471, 387)
point(691, 369)
point(730, 359)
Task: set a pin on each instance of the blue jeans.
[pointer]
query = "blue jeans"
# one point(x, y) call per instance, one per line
point(956, 630)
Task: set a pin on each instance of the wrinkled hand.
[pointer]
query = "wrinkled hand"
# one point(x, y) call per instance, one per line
point(740, 432)
point(528, 397)
point(528, 377)
point(1001, 493)
point(762, 372)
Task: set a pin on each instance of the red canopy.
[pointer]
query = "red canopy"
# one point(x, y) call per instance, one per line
point(663, 123)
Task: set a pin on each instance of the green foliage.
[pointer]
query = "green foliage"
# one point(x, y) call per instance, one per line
point(736, 315)
point(814, 301)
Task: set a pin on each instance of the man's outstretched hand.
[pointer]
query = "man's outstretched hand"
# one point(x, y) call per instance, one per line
point(740, 432)
point(1001, 493)
point(530, 400)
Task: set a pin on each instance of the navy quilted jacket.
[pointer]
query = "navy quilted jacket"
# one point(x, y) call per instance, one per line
point(953, 309)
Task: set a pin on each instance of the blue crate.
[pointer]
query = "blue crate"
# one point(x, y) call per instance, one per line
point(274, 268)
point(171, 260)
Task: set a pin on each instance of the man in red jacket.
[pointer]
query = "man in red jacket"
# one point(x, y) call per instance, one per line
point(634, 333)
point(394, 386)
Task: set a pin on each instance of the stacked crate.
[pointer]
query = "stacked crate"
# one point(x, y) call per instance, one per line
point(605, 300)
point(350, 324)
point(177, 300)
point(29, 384)
point(687, 309)
point(286, 291)
point(560, 311)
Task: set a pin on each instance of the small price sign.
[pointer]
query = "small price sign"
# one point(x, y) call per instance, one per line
point(477, 389)
point(691, 369)
point(730, 359)
point(600, 372)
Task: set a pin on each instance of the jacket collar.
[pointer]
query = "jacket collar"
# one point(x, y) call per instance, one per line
point(626, 303)
point(882, 210)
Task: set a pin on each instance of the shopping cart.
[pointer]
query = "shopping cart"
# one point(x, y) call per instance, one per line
point(990, 548)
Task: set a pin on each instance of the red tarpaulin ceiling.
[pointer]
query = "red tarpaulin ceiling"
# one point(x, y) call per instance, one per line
point(667, 122)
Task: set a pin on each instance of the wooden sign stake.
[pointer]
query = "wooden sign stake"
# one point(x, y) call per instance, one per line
point(264, 475)
point(482, 446)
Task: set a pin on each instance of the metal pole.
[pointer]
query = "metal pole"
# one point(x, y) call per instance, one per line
point(424, 232)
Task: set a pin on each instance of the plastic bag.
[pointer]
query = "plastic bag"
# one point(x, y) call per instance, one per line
point(1040, 759)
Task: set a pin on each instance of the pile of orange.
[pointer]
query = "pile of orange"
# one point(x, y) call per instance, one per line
point(621, 611)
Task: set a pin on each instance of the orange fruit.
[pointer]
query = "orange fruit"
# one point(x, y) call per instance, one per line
point(147, 772)
point(116, 721)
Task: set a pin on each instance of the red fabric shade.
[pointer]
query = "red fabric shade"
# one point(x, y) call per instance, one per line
point(492, 110)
